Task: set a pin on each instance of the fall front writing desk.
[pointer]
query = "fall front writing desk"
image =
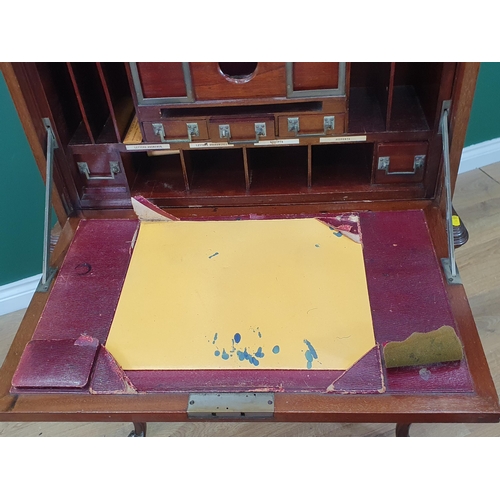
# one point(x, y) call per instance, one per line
point(347, 155)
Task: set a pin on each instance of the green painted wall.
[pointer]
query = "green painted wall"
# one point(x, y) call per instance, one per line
point(484, 123)
point(21, 187)
point(21, 198)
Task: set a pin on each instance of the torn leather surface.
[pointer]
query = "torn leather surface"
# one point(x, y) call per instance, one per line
point(345, 224)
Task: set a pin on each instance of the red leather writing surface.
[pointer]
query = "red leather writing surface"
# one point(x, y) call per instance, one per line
point(407, 294)
point(405, 284)
point(85, 294)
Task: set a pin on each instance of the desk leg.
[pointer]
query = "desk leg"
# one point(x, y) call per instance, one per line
point(403, 430)
point(139, 430)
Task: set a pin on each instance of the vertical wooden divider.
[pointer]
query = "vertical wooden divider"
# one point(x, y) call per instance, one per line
point(390, 97)
point(309, 166)
point(80, 103)
point(187, 171)
point(109, 101)
point(245, 166)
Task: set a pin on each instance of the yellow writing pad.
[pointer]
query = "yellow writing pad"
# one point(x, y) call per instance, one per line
point(252, 294)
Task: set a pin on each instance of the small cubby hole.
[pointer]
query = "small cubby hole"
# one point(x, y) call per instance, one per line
point(276, 170)
point(61, 97)
point(154, 176)
point(369, 96)
point(216, 172)
point(415, 96)
point(341, 167)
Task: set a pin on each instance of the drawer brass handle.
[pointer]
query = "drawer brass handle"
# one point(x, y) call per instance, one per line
point(114, 168)
point(328, 124)
point(225, 133)
point(192, 130)
point(385, 161)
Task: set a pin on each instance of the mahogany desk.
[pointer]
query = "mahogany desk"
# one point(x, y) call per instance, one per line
point(81, 194)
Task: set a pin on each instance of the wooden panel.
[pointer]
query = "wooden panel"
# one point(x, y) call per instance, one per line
point(209, 82)
point(162, 79)
point(315, 76)
point(176, 129)
point(402, 157)
point(310, 124)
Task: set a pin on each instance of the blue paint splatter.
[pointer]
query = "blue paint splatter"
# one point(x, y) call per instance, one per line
point(217, 352)
point(276, 349)
point(237, 338)
point(259, 353)
point(310, 354)
point(215, 338)
point(311, 348)
point(245, 356)
point(317, 246)
point(213, 255)
point(225, 355)
point(335, 232)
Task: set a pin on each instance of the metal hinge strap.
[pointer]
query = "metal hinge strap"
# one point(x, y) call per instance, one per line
point(48, 273)
point(449, 264)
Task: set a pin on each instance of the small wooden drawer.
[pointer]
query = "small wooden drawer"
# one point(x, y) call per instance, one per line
point(241, 131)
point(316, 125)
point(176, 131)
point(96, 169)
point(400, 162)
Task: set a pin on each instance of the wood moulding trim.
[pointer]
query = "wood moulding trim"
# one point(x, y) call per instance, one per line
point(480, 155)
point(17, 295)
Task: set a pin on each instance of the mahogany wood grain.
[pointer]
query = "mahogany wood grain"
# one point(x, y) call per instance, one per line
point(311, 124)
point(162, 79)
point(315, 75)
point(176, 130)
point(402, 158)
point(241, 129)
point(268, 80)
point(480, 406)
point(35, 133)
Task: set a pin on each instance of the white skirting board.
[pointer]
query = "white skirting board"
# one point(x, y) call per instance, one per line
point(17, 295)
point(480, 155)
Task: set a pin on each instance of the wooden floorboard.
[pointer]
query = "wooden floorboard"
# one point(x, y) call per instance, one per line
point(477, 201)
